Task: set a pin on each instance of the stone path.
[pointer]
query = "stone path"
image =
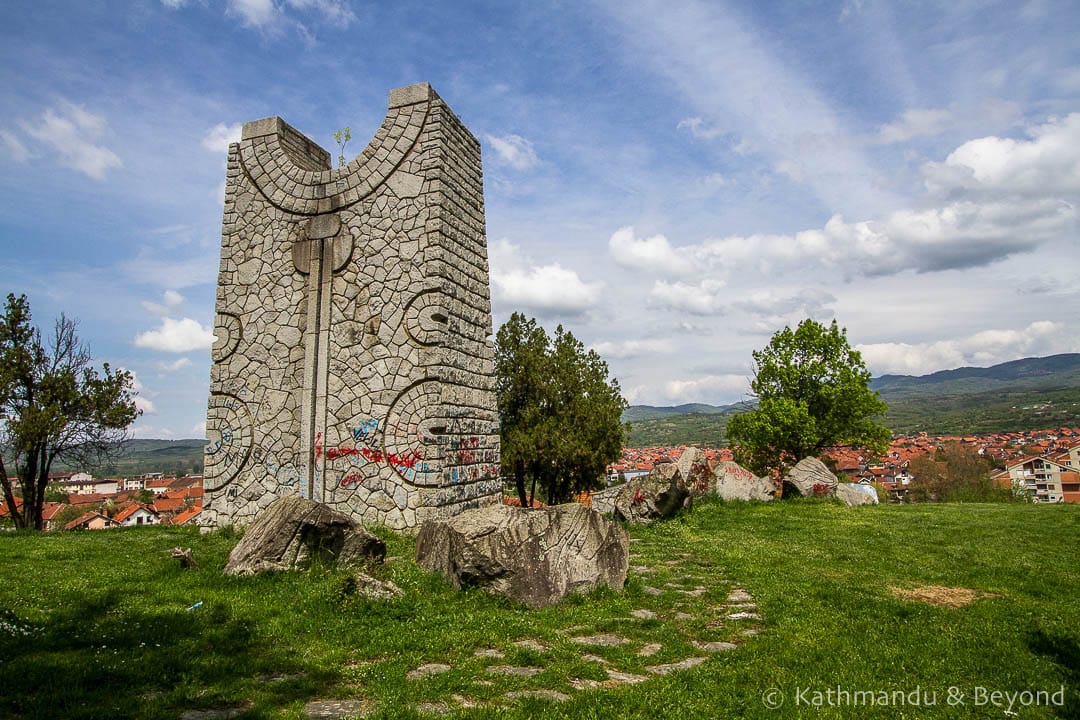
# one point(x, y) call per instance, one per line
point(689, 591)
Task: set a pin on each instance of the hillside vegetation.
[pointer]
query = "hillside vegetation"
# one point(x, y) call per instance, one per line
point(106, 624)
point(1028, 394)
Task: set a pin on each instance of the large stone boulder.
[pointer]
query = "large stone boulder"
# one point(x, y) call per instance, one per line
point(854, 494)
point(694, 468)
point(732, 481)
point(537, 556)
point(810, 478)
point(658, 496)
point(293, 532)
point(603, 501)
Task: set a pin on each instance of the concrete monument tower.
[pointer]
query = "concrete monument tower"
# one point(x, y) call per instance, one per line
point(353, 363)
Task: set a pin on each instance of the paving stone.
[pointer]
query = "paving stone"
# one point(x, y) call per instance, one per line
point(683, 616)
point(337, 709)
point(584, 683)
point(466, 702)
point(530, 644)
point(739, 595)
point(552, 695)
point(649, 590)
point(714, 647)
point(280, 677)
point(744, 616)
point(623, 678)
point(603, 639)
point(643, 614)
point(742, 606)
point(642, 569)
point(426, 670)
point(750, 632)
point(696, 592)
point(224, 713)
point(589, 657)
point(432, 708)
point(516, 670)
point(489, 653)
point(650, 649)
point(669, 668)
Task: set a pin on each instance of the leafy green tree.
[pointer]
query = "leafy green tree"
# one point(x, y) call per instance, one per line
point(560, 414)
point(813, 392)
point(54, 405)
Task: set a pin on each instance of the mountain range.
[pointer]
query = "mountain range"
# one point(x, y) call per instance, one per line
point(1027, 394)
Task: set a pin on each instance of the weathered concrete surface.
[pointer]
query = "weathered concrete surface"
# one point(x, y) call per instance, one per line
point(732, 481)
point(353, 362)
point(294, 532)
point(537, 556)
point(811, 478)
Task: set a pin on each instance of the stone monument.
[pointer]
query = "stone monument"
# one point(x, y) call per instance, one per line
point(353, 362)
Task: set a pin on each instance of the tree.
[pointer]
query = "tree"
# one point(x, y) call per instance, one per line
point(560, 415)
point(953, 473)
point(812, 391)
point(54, 405)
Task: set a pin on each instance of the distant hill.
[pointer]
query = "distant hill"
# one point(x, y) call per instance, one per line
point(1055, 371)
point(141, 456)
point(1027, 394)
point(651, 412)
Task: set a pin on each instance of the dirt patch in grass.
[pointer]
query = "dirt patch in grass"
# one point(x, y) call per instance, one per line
point(951, 597)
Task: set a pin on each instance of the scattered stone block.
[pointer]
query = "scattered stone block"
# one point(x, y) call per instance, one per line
point(732, 481)
point(293, 532)
point(694, 469)
point(656, 497)
point(810, 478)
point(643, 614)
point(537, 556)
point(854, 494)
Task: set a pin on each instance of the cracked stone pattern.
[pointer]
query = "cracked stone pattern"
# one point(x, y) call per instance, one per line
point(352, 363)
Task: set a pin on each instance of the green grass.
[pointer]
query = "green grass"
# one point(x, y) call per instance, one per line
point(110, 634)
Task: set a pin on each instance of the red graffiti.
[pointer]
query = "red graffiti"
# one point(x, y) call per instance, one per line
point(335, 453)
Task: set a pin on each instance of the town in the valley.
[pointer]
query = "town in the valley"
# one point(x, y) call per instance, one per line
point(1043, 463)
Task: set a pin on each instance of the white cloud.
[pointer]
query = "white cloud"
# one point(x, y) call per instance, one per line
point(514, 150)
point(703, 298)
point(545, 289)
point(199, 429)
point(174, 4)
point(219, 137)
point(178, 336)
point(622, 350)
point(72, 135)
point(175, 365)
point(915, 123)
point(982, 349)
point(334, 11)
point(653, 254)
point(15, 148)
point(253, 13)
point(170, 299)
point(699, 128)
point(1048, 164)
point(707, 388)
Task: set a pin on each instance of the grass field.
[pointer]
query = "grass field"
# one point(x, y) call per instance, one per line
point(97, 625)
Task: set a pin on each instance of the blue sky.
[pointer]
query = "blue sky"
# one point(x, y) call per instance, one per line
point(672, 181)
